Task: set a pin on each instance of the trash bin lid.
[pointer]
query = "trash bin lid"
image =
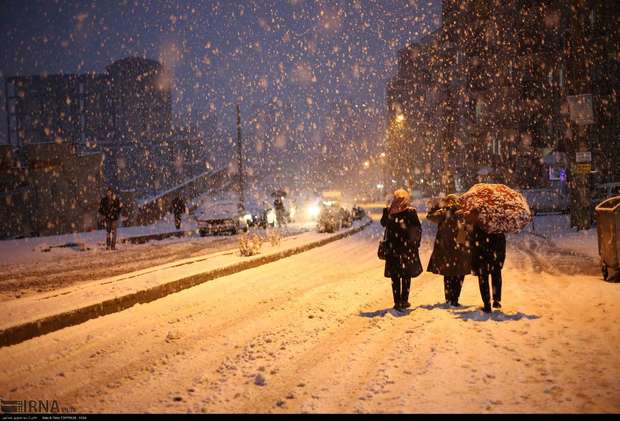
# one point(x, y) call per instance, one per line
point(610, 205)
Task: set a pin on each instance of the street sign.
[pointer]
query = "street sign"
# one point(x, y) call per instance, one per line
point(584, 168)
point(584, 157)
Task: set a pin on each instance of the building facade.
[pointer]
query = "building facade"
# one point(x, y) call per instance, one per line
point(486, 97)
point(49, 189)
point(125, 113)
point(70, 136)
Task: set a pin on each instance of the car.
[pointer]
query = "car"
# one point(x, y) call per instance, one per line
point(604, 191)
point(221, 217)
point(330, 218)
point(358, 213)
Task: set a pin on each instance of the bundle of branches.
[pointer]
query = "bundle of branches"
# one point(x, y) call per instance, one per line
point(250, 244)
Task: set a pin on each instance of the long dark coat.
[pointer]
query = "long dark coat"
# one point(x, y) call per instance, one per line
point(403, 236)
point(110, 208)
point(488, 252)
point(178, 206)
point(449, 257)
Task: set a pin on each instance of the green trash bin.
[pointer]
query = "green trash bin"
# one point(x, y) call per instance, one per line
point(608, 230)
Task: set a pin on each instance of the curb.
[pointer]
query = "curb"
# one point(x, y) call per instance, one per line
point(22, 332)
point(141, 239)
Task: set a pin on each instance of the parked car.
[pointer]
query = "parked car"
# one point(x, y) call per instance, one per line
point(604, 191)
point(330, 218)
point(358, 213)
point(221, 217)
point(547, 200)
point(263, 216)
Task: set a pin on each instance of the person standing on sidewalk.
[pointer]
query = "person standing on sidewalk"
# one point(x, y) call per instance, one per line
point(178, 209)
point(451, 255)
point(110, 209)
point(402, 241)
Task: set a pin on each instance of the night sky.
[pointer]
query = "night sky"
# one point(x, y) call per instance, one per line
point(305, 59)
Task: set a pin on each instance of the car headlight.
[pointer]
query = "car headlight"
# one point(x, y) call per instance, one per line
point(313, 211)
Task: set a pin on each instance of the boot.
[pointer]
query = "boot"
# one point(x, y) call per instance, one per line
point(396, 296)
point(404, 298)
point(483, 283)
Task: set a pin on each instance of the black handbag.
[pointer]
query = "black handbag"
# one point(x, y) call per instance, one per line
point(381, 252)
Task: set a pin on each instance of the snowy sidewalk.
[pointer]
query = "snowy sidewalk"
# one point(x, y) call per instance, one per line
point(43, 313)
point(30, 249)
point(556, 229)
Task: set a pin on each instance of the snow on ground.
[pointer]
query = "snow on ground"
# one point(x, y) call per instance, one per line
point(315, 333)
point(557, 229)
point(26, 269)
point(62, 300)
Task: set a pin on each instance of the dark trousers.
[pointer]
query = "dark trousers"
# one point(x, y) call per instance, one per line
point(110, 239)
point(177, 221)
point(452, 288)
point(496, 281)
point(400, 289)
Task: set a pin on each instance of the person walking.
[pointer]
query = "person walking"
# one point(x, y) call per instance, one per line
point(278, 205)
point(488, 256)
point(451, 255)
point(403, 233)
point(110, 208)
point(178, 209)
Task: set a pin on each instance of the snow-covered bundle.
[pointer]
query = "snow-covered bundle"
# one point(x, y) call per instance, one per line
point(501, 209)
point(274, 237)
point(250, 244)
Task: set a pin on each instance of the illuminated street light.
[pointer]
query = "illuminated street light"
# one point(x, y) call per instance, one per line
point(366, 164)
point(400, 118)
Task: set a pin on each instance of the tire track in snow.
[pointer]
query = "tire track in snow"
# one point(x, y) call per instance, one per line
point(145, 357)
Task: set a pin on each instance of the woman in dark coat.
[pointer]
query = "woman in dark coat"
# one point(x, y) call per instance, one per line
point(451, 253)
point(403, 235)
point(488, 255)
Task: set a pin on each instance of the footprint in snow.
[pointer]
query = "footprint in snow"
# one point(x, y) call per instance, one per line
point(260, 380)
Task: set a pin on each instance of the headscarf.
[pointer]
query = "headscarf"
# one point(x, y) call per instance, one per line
point(451, 200)
point(400, 202)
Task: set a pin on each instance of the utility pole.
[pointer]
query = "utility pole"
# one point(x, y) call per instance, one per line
point(240, 159)
point(580, 103)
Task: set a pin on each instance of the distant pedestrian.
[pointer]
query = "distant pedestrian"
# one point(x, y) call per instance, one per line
point(451, 255)
point(278, 206)
point(403, 233)
point(488, 256)
point(110, 209)
point(178, 209)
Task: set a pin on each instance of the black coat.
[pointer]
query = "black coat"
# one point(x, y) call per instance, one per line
point(450, 257)
point(178, 206)
point(403, 236)
point(488, 252)
point(110, 208)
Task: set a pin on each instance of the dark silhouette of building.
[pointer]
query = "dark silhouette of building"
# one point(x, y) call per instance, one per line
point(486, 97)
point(71, 135)
point(125, 113)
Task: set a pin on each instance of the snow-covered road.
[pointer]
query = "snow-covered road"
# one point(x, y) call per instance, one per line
point(26, 270)
point(315, 332)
